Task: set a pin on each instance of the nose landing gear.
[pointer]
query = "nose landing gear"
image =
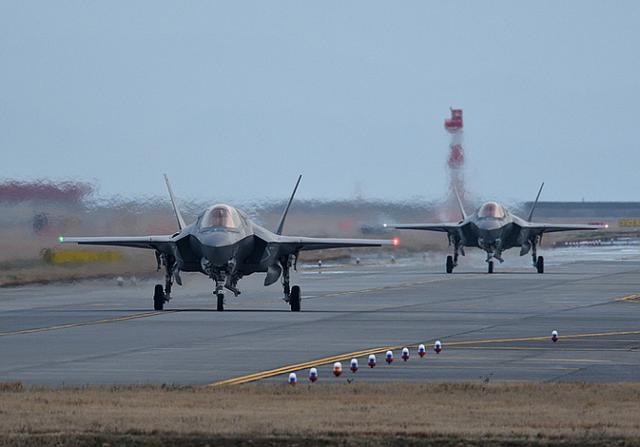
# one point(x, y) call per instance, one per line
point(220, 297)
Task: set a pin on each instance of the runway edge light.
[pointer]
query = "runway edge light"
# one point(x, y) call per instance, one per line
point(437, 346)
point(422, 351)
point(405, 354)
point(293, 379)
point(554, 336)
point(388, 357)
point(372, 361)
point(313, 375)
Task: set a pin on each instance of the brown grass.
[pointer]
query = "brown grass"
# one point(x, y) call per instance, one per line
point(491, 414)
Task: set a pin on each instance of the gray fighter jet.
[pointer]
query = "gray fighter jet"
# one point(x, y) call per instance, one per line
point(224, 244)
point(494, 229)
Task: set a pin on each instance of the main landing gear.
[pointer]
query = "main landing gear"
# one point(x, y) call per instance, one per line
point(158, 297)
point(538, 261)
point(450, 264)
point(162, 294)
point(292, 295)
point(295, 299)
point(452, 261)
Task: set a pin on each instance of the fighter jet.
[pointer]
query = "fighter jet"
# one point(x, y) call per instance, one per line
point(494, 229)
point(224, 244)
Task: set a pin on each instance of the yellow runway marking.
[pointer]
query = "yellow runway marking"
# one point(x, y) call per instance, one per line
point(520, 348)
point(84, 323)
point(346, 356)
point(630, 298)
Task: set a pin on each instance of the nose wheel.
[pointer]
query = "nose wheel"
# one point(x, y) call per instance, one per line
point(220, 297)
point(490, 270)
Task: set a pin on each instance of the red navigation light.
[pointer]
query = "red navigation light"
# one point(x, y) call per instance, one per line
point(455, 123)
point(395, 241)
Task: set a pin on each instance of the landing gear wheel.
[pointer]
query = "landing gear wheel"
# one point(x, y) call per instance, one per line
point(220, 297)
point(540, 264)
point(490, 266)
point(158, 297)
point(449, 264)
point(295, 298)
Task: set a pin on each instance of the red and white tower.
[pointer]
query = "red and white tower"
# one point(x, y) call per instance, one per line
point(455, 163)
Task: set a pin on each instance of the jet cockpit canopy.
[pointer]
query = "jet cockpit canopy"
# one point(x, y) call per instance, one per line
point(220, 216)
point(492, 210)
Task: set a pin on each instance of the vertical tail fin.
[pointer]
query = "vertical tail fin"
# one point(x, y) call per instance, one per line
point(533, 207)
point(286, 210)
point(464, 214)
point(181, 224)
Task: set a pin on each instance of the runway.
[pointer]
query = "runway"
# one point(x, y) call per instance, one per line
point(493, 327)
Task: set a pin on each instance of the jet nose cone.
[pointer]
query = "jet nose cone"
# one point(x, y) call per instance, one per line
point(488, 224)
point(217, 238)
point(218, 247)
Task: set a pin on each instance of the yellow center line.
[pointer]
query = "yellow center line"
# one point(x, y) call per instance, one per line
point(346, 356)
point(83, 323)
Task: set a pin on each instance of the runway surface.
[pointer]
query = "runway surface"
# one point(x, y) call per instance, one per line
point(493, 327)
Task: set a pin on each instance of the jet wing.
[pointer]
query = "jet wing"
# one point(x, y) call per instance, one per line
point(555, 228)
point(319, 243)
point(442, 227)
point(152, 242)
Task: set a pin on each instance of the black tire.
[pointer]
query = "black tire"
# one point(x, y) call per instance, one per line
point(295, 299)
point(490, 266)
point(449, 264)
point(220, 297)
point(540, 264)
point(158, 297)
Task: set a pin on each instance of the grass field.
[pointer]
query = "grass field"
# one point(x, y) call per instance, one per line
point(355, 414)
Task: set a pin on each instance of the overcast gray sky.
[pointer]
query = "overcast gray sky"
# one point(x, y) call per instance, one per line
point(233, 99)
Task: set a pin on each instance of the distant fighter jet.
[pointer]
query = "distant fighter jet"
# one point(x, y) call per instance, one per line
point(225, 245)
point(494, 229)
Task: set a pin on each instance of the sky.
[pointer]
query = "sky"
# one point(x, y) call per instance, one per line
point(234, 99)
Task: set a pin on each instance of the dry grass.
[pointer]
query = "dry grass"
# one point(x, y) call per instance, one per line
point(492, 414)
